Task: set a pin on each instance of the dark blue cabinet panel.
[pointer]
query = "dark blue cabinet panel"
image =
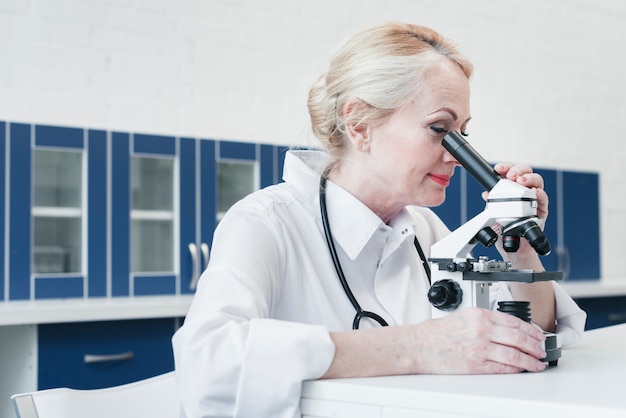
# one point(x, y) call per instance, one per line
point(268, 157)
point(237, 150)
point(154, 144)
point(97, 210)
point(120, 214)
point(208, 190)
point(19, 227)
point(3, 144)
point(142, 348)
point(280, 163)
point(581, 224)
point(603, 311)
point(188, 209)
point(59, 137)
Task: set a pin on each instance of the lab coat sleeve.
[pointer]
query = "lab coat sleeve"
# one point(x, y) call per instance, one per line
point(231, 358)
point(570, 319)
point(255, 369)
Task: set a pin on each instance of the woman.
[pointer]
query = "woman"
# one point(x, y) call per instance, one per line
point(270, 311)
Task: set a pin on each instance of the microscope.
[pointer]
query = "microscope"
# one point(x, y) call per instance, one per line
point(458, 279)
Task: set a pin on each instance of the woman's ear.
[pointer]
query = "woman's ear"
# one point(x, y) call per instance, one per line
point(357, 130)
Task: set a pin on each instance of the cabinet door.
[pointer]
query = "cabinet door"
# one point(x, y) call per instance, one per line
point(48, 215)
point(144, 214)
point(93, 355)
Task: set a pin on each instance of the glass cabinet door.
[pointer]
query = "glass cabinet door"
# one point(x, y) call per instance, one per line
point(57, 211)
point(152, 215)
point(236, 180)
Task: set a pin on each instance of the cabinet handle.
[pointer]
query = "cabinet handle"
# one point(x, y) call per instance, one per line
point(193, 249)
point(617, 318)
point(205, 253)
point(102, 358)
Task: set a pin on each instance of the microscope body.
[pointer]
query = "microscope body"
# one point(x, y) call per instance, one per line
point(450, 257)
point(460, 280)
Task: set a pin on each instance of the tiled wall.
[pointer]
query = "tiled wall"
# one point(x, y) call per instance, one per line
point(548, 87)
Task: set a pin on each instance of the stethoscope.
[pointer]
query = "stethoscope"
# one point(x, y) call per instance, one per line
point(360, 313)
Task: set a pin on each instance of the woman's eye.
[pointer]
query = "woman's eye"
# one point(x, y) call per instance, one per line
point(438, 129)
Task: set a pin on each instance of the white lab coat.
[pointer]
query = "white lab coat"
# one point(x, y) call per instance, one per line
point(260, 320)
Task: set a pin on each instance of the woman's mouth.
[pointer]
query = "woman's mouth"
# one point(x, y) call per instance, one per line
point(440, 179)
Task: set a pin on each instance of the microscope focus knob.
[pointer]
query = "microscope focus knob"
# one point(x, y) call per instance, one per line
point(445, 295)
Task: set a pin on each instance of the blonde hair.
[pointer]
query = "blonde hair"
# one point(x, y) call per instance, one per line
point(382, 66)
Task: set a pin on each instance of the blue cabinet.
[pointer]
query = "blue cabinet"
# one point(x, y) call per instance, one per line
point(144, 214)
point(91, 355)
point(46, 226)
point(603, 311)
point(93, 213)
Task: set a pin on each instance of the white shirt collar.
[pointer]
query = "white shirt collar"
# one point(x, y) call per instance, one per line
point(352, 223)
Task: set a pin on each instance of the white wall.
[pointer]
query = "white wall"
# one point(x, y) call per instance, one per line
point(549, 84)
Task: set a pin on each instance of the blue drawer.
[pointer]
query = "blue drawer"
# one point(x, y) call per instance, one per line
point(92, 355)
point(603, 311)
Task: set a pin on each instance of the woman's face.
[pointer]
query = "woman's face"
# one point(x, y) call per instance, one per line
point(406, 163)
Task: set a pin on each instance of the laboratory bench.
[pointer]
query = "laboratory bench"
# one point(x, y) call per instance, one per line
point(85, 343)
point(587, 382)
point(99, 342)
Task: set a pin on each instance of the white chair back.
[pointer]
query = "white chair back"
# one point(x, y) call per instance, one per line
point(156, 397)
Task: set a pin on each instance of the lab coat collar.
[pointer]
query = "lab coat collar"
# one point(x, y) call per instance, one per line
point(352, 223)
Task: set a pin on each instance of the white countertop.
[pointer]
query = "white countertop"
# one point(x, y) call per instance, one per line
point(92, 309)
point(588, 382)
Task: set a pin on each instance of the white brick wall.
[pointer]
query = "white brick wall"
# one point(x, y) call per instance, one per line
point(549, 86)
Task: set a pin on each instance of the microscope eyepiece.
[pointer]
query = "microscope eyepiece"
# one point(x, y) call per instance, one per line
point(471, 160)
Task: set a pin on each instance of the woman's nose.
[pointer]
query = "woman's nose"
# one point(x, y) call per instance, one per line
point(449, 158)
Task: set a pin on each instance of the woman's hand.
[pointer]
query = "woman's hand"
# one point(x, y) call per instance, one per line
point(470, 341)
point(523, 174)
point(478, 341)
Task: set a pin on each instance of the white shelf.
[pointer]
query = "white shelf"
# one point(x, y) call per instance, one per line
point(595, 288)
point(92, 309)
